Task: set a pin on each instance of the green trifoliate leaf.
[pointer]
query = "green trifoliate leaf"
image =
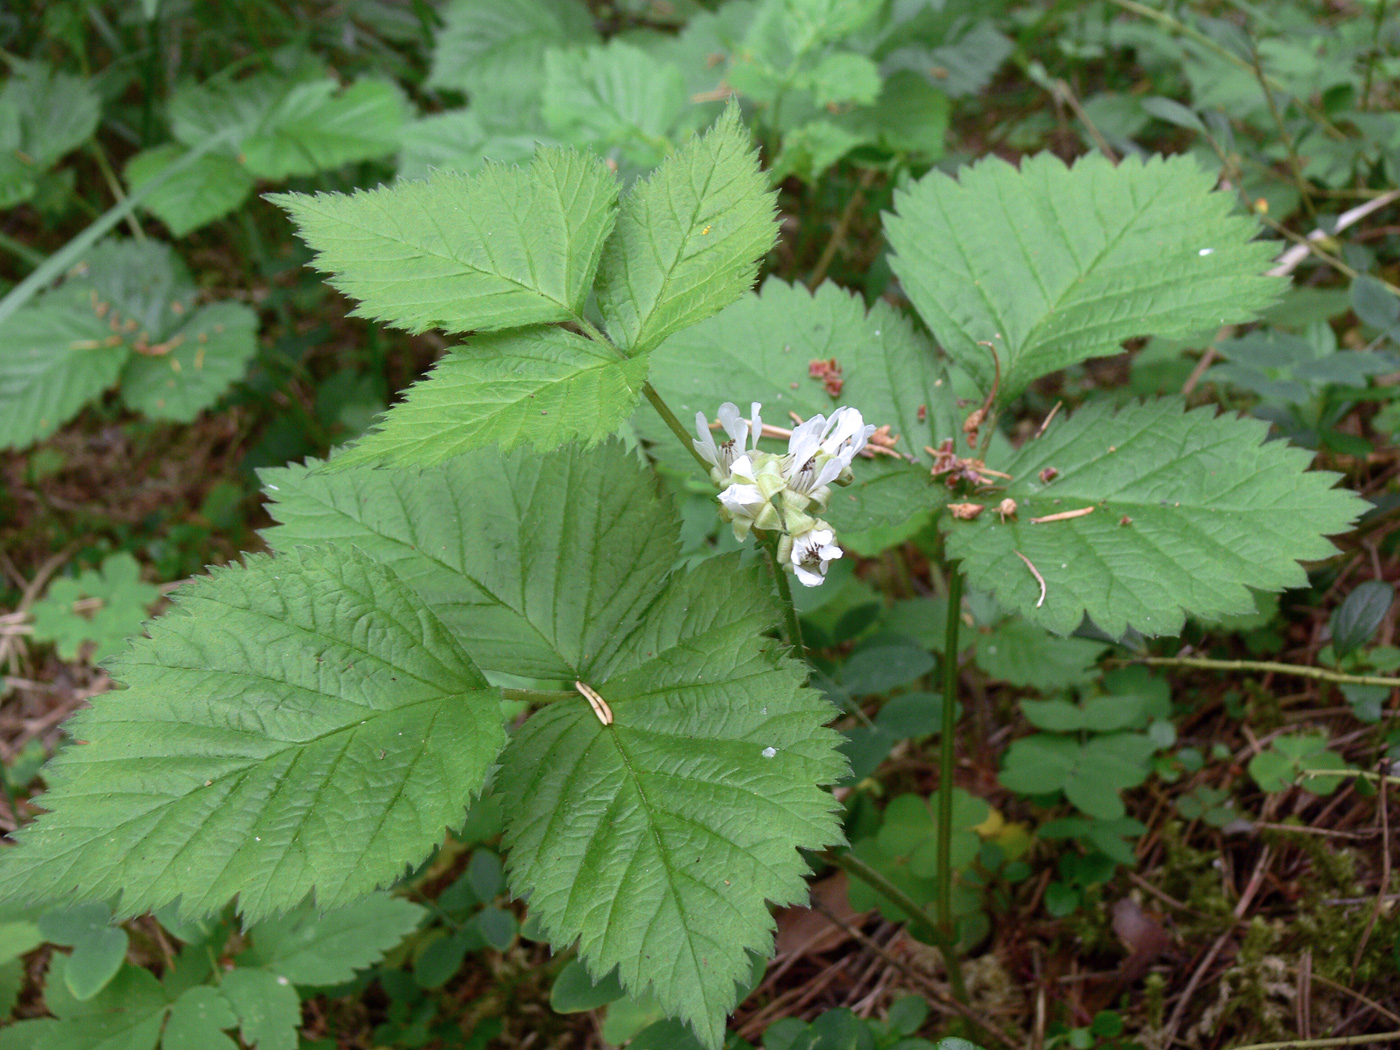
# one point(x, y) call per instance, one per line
point(1091, 774)
point(763, 348)
point(114, 602)
point(483, 41)
point(498, 249)
point(1052, 265)
point(126, 1015)
point(300, 724)
point(1170, 513)
point(656, 840)
point(99, 948)
point(197, 1018)
point(539, 561)
point(310, 947)
point(689, 806)
point(267, 1006)
point(688, 240)
point(126, 301)
point(537, 386)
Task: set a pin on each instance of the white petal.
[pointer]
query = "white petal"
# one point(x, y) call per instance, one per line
point(742, 499)
point(810, 579)
point(806, 439)
point(756, 423)
point(705, 445)
point(735, 425)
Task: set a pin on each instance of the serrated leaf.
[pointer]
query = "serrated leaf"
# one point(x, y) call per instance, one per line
point(688, 240)
point(615, 95)
point(1023, 654)
point(300, 724)
point(196, 1021)
point(557, 567)
point(761, 349)
point(126, 1015)
point(292, 123)
point(57, 112)
point(1053, 265)
point(460, 140)
point(207, 190)
point(480, 39)
point(537, 386)
point(122, 602)
point(268, 1008)
point(1211, 511)
point(508, 550)
point(498, 249)
point(311, 947)
point(656, 840)
point(206, 355)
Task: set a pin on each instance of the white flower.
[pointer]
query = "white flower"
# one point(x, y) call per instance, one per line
point(807, 554)
point(722, 456)
point(748, 501)
point(820, 452)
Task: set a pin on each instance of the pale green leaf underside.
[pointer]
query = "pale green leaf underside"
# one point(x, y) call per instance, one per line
point(1212, 511)
point(484, 41)
point(302, 724)
point(1053, 265)
point(539, 564)
point(656, 841)
point(500, 248)
point(537, 386)
point(760, 349)
point(688, 240)
point(208, 189)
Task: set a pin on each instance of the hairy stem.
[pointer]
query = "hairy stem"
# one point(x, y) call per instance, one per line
point(669, 417)
point(1319, 673)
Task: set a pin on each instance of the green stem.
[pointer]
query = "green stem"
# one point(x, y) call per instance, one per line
point(854, 866)
point(1318, 673)
point(1374, 54)
point(62, 260)
point(539, 696)
point(669, 417)
point(946, 756)
point(23, 251)
point(794, 625)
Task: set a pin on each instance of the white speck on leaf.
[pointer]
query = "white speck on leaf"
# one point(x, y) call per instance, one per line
point(769, 752)
point(1205, 251)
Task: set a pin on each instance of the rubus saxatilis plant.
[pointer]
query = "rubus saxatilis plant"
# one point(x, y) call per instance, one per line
point(308, 723)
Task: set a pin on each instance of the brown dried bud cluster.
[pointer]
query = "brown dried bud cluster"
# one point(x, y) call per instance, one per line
point(965, 511)
point(829, 372)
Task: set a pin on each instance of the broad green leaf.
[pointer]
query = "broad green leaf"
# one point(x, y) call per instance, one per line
point(762, 348)
point(615, 95)
point(1052, 264)
point(1357, 619)
point(300, 724)
point(196, 1021)
point(574, 991)
point(57, 111)
point(482, 39)
point(499, 249)
point(209, 189)
point(460, 140)
point(54, 359)
point(1090, 774)
point(656, 840)
point(126, 1015)
point(314, 128)
point(536, 386)
point(268, 1008)
point(1186, 513)
point(687, 810)
point(539, 561)
point(688, 240)
point(117, 603)
point(206, 355)
point(99, 948)
point(311, 947)
point(292, 123)
point(963, 62)
point(125, 299)
point(1023, 654)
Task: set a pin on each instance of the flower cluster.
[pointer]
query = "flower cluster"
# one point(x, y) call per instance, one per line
point(784, 493)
